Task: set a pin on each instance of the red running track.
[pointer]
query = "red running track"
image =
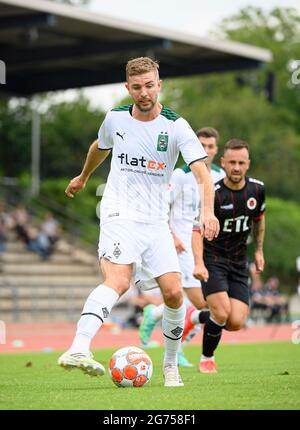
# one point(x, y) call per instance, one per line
point(57, 336)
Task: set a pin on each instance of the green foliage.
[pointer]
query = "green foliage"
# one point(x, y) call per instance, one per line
point(15, 138)
point(67, 130)
point(272, 130)
point(237, 112)
point(79, 216)
point(84, 203)
point(282, 242)
point(235, 103)
point(278, 31)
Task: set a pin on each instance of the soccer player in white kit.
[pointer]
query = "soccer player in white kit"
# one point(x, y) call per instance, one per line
point(145, 139)
point(184, 207)
point(185, 201)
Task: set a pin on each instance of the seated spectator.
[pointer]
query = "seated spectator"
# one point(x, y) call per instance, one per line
point(6, 223)
point(2, 236)
point(51, 228)
point(137, 300)
point(277, 303)
point(259, 307)
point(2, 227)
point(256, 289)
point(35, 240)
point(21, 218)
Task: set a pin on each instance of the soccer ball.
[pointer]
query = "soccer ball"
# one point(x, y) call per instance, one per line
point(130, 367)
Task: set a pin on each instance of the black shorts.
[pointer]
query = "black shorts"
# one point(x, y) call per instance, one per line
point(227, 276)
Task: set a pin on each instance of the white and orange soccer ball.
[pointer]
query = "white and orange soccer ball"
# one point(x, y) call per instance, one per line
point(130, 367)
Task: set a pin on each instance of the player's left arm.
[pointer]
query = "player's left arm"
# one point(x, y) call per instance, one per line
point(176, 188)
point(259, 226)
point(258, 236)
point(209, 222)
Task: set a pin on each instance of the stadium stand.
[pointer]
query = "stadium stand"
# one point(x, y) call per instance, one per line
point(33, 289)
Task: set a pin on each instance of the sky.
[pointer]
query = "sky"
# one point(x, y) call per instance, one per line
point(192, 16)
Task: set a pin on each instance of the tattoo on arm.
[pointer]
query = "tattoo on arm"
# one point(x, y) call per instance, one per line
point(259, 233)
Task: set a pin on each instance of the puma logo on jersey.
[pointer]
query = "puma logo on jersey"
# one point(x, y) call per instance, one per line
point(120, 135)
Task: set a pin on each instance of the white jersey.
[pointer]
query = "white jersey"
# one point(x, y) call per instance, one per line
point(185, 201)
point(217, 173)
point(144, 154)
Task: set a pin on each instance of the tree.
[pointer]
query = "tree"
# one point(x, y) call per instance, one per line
point(282, 241)
point(236, 105)
point(67, 129)
point(15, 137)
point(278, 31)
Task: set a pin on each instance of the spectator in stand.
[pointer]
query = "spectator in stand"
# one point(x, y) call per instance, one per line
point(277, 302)
point(2, 227)
point(257, 294)
point(139, 299)
point(51, 228)
point(21, 218)
point(34, 239)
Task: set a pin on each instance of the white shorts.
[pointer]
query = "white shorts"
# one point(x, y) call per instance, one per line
point(187, 265)
point(150, 247)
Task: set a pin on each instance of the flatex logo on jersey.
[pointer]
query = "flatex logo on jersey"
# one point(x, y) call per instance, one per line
point(152, 165)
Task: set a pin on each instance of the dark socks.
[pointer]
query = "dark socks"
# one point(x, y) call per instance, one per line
point(204, 316)
point(211, 337)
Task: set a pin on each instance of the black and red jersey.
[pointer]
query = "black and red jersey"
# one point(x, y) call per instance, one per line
point(236, 211)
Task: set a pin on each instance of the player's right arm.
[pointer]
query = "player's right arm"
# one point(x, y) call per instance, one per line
point(200, 271)
point(94, 158)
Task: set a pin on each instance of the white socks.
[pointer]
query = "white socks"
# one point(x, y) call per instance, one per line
point(172, 325)
point(195, 316)
point(157, 312)
point(97, 307)
point(203, 358)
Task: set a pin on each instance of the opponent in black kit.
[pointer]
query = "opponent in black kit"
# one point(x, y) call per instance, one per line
point(222, 263)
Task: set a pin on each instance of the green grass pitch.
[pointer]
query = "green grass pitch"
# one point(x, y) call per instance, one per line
point(251, 376)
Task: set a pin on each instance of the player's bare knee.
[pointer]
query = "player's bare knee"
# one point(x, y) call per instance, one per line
point(173, 297)
point(196, 297)
point(234, 325)
point(199, 304)
point(120, 285)
point(220, 315)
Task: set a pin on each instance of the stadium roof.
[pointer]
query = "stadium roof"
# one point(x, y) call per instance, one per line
point(50, 46)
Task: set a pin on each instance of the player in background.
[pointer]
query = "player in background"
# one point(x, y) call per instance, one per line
point(144, 139)
point(184, 204)
point(222, 263)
